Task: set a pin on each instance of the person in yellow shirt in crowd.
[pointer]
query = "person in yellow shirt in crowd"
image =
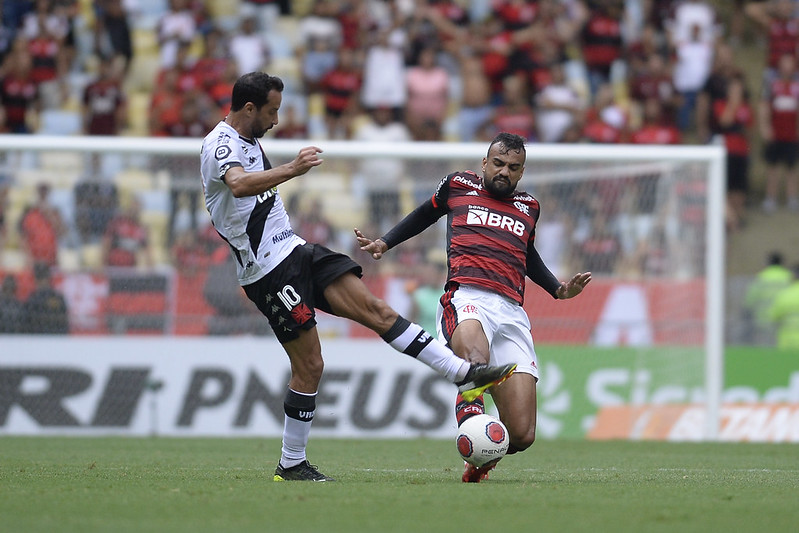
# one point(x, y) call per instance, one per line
point(785, 313)
point(760, 296)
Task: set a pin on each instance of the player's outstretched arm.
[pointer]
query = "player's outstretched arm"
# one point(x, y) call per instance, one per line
point(244, 183)
point(376, 248)
point(574, 286)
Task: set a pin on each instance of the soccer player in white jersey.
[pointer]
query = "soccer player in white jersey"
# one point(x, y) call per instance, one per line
point(490, 251)
point(287, 278)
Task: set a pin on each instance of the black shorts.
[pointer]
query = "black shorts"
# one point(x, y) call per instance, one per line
point(784, 152)
point(738, 173)
point(288, 295)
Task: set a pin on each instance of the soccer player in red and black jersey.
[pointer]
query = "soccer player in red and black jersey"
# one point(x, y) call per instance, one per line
point(490, 251)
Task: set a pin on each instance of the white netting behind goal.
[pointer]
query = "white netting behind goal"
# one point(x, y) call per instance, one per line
point(121, 224)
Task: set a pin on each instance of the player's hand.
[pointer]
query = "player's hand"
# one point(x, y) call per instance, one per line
point(306, 159)
point(574, 286)
point(376, 248)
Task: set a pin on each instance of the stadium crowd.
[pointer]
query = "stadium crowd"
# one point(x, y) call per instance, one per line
point(553, 71)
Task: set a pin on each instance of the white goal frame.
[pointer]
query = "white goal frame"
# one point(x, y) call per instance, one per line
point(713, 155)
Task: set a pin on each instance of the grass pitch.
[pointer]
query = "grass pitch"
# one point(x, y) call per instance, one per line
point(191, 485)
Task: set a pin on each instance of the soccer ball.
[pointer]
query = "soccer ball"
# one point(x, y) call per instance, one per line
point(482, 439)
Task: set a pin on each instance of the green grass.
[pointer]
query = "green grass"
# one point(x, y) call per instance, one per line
point(143, 485)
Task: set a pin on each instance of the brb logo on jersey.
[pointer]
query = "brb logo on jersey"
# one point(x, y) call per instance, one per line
point(480, 216)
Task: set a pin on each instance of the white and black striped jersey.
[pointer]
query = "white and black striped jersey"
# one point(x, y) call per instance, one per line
point(257, 228)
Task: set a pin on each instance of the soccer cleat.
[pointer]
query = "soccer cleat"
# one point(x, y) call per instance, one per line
point(476, 474)
point(304, 471)
point(480, 377)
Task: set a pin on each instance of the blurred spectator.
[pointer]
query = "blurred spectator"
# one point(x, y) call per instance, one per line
point(126, 242)
point(104, 101)
point(601, 251)
point(233, 312)
point(760, 296)
point(785, 312)
point(45, 310)
point(267, 12)
point(341, 90)
point(320, 25)
point(112, 35)
point(425, 289)
point(320, 39)
point(559, 109)
point(428, 96)
point(715, 89)
point(653, 80)
point(166, 100)
point(317, 60)
point(213, 64)
point(4, 189)
point(291, 125)
point(189, 79)
point(384, 71)
point(176, 26)
point(184, 192)
point(11, 307)
point(19, 93)
point(96, 203)
point(313, 226)
point(221, 92)
point(40, 228)
point(779, 129)
point(601, 40)
point(190, 253)
point(606, 120)
point(248, 48)
point(733, 118)
point(379, 177)
point(780, 23)
point(475, 106)
point(514, 114)
point(656, 128)
point(648, 43)
point(689, 16)
point(693, 62)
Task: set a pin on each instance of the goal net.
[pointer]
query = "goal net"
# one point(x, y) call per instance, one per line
point(120, 222)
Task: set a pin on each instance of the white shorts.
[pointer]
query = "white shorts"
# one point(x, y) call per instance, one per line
point(504, 322)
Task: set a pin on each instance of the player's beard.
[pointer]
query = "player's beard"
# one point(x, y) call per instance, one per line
point(498, 187)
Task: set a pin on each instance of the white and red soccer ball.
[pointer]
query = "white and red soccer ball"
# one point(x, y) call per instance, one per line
point(482, 439)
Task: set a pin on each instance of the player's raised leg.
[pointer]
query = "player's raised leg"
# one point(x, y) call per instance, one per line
point(348, 297)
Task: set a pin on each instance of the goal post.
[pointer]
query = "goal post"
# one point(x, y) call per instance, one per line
point(661, 211)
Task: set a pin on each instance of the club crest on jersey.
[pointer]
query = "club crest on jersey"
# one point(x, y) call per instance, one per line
point(522, 207)
point(477, 216)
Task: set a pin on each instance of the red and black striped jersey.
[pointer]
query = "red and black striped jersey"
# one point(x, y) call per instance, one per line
point(488, 236)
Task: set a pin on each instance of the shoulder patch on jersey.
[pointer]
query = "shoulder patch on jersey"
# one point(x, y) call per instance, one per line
point(222, 151)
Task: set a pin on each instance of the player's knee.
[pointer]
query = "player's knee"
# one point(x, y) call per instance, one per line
point(379, 315)
point(309, 370)
point(522, 440)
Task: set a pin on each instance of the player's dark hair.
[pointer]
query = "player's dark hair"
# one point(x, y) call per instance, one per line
point(510, 141)
point(254, 87)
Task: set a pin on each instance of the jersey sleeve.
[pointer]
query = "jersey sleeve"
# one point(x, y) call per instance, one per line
point(420, 218)
point(226, 156)
point(416, 222)
point(539, 273)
